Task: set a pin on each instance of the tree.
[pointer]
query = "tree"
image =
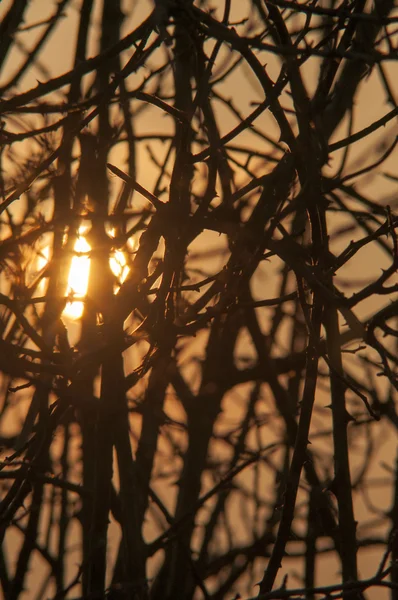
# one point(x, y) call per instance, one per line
point(213, 417)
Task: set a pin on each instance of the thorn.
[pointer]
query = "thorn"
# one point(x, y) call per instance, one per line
point(349, 418)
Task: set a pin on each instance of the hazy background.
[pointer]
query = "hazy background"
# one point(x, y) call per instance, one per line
point(57, 57)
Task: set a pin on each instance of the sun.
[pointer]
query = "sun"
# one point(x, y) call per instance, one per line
point(79, 271)
point(79, 274)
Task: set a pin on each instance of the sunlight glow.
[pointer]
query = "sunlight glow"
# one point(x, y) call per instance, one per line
point(78, 279)
point(119, 266)
point(43, 259)
point(118, 263)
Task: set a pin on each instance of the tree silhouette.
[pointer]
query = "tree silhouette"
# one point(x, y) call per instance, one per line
point(220, 420)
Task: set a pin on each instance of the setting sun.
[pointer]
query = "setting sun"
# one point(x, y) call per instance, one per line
point(80, 271)
point(78, 279)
